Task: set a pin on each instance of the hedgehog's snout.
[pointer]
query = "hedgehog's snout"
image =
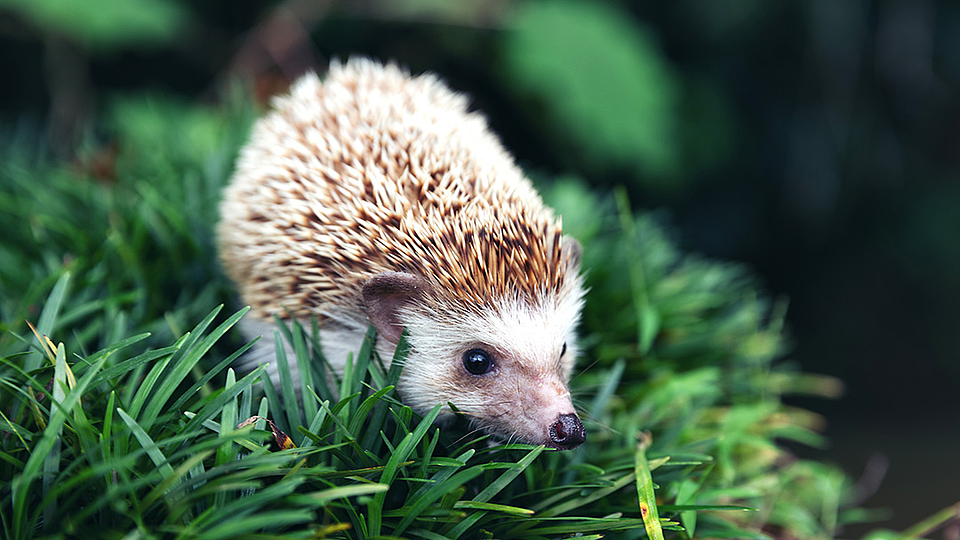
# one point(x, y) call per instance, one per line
point(567, 432)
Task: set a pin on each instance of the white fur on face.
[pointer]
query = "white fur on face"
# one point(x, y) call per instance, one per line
point(520, 398)
point(525, 392)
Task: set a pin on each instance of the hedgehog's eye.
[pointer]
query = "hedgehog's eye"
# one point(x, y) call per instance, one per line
point(564, 350)
point(477, 361)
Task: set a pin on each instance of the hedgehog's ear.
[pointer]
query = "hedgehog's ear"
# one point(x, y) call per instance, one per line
point(572, 251)
point(385, 295)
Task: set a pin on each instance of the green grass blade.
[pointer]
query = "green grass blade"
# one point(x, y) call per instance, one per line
point(342, 492)
point(286, 385)
point(402, 452)
point(428, 535)
point(129, 365)
point(273, 401)
point(318, 419)
point(492, 489)
point(51, 462)
point(214, 406)
point(151, 448)
point(118, 344)
point(508, 476)
point(178, 475)
point(48, 317)
point(514, 510)
point(610, 383)
point(246, 404)
point(371, 439)
point(448, 468)
point(577, 502)
point(360, 415)
point(399, 358)
point(583, 524)
point(210, 374)
point(240, 527)
point(933, 522)
point(645, 494)
point(20, 486)
point(320, 366)
point(183, 366)
point(305, 371)
point(145, 389)
point(228, 422)
point(434, 493)
point(363, 360)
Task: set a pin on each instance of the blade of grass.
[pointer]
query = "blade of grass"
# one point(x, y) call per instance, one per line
point(273, 401)
point(342, 492)
point(434, 493)
point(645, 494)
point(179, 473)
point(363, 359)
point(399, 358)
point(240, 527)
point(149, 382)
point(48, 317)
point(358, 417)
point(228, 422)
point(214, 406)
point(508, 476)
point(587, 524)
point(191, 356)
point(371, 439)
point(448, 468)
point(106, 435)
point(210, 374)
point(129, 365)
point(933, 522)
point(153, 451)
point(514, 510)
point(303, 368)
point(558, 509)
point(286, 385)
point(323, 372)
point(20, 486)
point(51, 462)
point(402, 452)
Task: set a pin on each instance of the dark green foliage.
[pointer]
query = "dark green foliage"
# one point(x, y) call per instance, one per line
point(105, 25)
point(593, 69)
point(127, 423)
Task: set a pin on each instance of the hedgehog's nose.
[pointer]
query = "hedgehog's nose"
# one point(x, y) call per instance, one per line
point(567, 432)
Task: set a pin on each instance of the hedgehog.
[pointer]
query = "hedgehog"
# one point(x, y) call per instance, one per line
point(377, 197)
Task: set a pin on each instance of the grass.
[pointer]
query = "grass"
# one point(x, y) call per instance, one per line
point(120, 416)
point(167, 460)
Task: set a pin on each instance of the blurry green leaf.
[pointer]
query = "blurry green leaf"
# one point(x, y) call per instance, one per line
point(649, 326)
point(105, 23)
point(189, 135)
point(603, 80)
point(571, 198)
point(883, 534)
point(685, 494)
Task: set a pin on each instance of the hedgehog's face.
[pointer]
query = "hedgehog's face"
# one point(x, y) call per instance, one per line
point(505, 366)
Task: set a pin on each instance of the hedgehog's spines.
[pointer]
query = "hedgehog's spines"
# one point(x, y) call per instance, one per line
point(379, 172)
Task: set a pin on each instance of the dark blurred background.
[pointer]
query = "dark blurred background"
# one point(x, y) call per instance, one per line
point(818, 141)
